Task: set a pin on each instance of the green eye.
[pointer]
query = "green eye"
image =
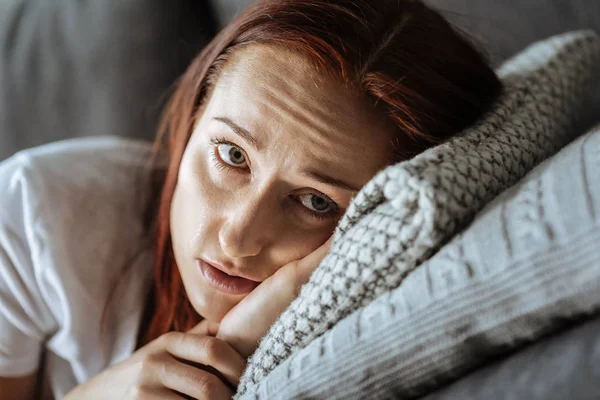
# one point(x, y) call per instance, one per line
point(232, 155)
point(316, 203)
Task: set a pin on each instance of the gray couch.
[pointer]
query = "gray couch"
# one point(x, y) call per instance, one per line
point(85, 68)
point(73, 68)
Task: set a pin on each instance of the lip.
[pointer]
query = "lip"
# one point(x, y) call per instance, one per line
point(223, 282)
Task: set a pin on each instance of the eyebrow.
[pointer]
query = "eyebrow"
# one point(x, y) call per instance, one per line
point(328, 180)
point(238, 130)
point(313, 174)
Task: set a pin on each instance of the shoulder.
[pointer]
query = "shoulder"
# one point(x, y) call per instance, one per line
point(75, 159)
point(57, 175)
point(77, 203)
point(71, 220)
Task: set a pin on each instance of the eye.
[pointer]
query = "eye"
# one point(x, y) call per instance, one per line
point(317, 204)
point(232, 155)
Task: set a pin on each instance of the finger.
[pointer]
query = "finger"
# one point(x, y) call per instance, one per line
point(161, 394)
point(244, 325)
point(209, 351)
point(308, 264)
point(205, 328)
point(193, 382)
point(209, 369)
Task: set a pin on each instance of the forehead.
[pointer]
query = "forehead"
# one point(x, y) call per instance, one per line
point(280, 94)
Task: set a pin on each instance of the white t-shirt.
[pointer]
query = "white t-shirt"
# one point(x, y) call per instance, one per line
point(71, 216)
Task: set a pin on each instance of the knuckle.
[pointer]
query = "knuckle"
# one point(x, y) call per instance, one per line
point(169, 337)
point(173, 339)
point(147, 364)
point(207, 385)
point(210, 345)
point(138, 393)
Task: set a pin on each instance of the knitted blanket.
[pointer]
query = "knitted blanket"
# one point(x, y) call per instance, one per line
point(409, 210)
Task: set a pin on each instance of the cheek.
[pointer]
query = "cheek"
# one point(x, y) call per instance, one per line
point(190, 211)
point(180, 230)
point(297, 244)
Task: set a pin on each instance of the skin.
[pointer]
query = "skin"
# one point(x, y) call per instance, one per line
point(250, 217)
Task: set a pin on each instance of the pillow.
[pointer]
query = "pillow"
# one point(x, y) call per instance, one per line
point(409, 210)
point(87, 68)
point(528, 263)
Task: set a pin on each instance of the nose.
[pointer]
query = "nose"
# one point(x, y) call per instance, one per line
point(246, 227)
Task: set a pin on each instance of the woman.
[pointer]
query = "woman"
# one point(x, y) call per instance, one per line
point(272, 130)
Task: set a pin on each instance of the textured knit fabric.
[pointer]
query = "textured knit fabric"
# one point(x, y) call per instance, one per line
point(529, 262)
point(409, 210)
point(70, 223)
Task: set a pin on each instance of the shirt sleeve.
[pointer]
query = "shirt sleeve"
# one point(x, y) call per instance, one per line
point(25, 318)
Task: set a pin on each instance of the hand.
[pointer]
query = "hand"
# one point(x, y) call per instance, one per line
point(177, 365)
point(246, 323)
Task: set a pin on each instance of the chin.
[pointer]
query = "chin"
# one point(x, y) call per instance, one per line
point(212, 305)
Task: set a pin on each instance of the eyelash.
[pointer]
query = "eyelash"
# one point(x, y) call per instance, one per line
point(319, 216)
point(217, 159)
point(222, 166)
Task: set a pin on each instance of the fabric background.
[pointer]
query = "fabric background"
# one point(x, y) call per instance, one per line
point(87, 68)
point(564, 366)
point(404, 214)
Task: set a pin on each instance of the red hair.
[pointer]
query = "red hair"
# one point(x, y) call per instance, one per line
point(400, 54)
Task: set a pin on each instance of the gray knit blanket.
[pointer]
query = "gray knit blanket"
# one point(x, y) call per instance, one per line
point(409, 210)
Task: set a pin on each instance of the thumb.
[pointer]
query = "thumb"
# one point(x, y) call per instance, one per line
point(205, 328)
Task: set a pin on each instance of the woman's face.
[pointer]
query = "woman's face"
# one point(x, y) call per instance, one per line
point(276, 155)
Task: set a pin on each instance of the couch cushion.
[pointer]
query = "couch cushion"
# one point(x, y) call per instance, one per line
point(84, 68)
point(406, 212)
point(527, 265)
point(562, 366)
point(504, 27)
point(226, 10)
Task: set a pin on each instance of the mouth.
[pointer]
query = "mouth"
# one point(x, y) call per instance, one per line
point(222, 281)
